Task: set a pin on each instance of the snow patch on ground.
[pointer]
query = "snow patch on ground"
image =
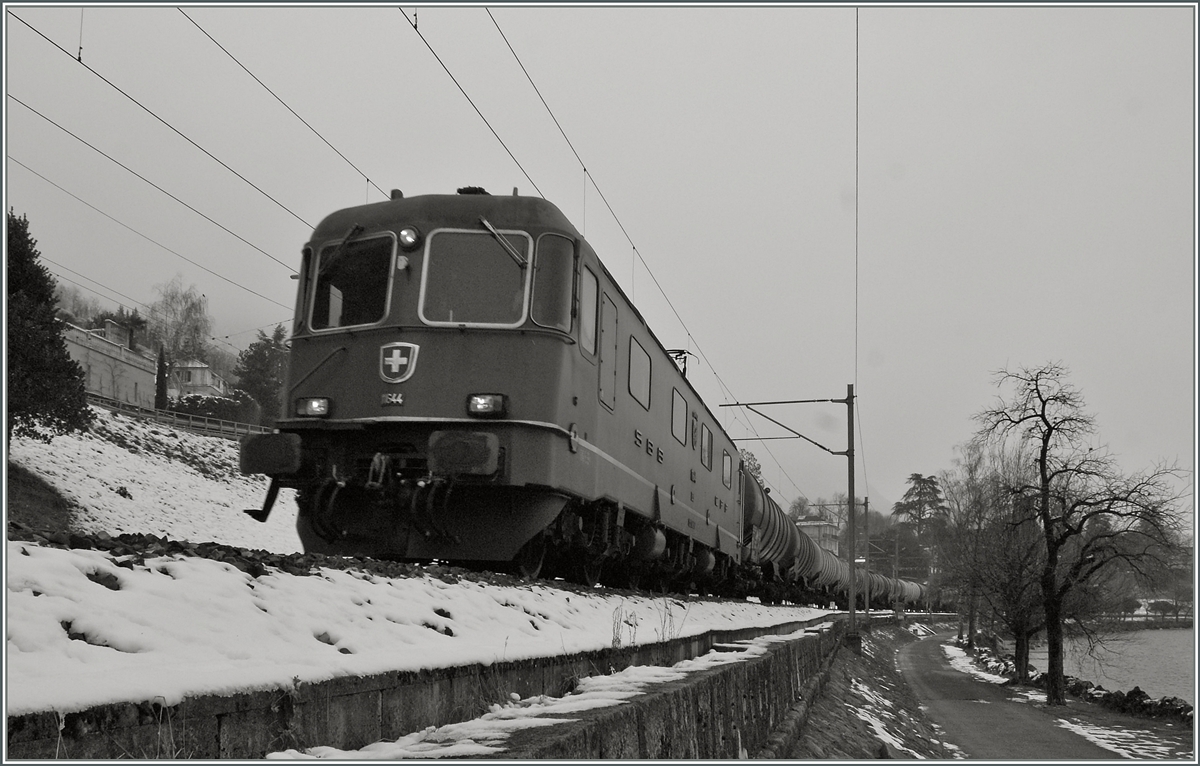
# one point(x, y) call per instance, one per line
point(961, 661)
point(1127, 744)
point(134, 475)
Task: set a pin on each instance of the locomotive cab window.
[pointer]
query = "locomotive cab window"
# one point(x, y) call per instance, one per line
point(639, 373)
point(353, 283)
point(472, 278)
point(553, 270)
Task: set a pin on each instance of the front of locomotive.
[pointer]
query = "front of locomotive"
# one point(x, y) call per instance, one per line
point(427, 405)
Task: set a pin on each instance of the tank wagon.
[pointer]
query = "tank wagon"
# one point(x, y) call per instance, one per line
point(467, 383)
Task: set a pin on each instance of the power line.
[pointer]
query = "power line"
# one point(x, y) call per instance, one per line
point(255, 329)
point(149, 309)
point(535, 89)
point(164, 122)
point(472, 103)
point(148, 239)
point(148, 181)
point(280, 100)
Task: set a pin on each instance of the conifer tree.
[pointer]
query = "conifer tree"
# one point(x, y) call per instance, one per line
point(261, 369)
point(45, 388)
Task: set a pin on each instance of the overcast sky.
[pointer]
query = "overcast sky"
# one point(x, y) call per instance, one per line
point(1024, 179)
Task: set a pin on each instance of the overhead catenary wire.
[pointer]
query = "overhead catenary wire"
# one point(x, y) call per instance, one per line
point(149, 309)
point(164, 122)
point(462, 90)
point(148, 181)
point(281, 101)
point(147, 238)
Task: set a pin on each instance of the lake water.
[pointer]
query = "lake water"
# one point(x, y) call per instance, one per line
point(1161, 662)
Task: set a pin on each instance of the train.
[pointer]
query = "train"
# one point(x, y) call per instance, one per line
point(467, 383)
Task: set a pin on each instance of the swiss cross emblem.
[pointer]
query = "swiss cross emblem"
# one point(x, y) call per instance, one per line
point(397, 361)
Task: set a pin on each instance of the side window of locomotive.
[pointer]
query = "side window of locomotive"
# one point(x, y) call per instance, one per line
point(726, 469)
point(705, 447)
point(639, 373)
point(589, 291)
point(679, 416)
point(471, 278)
point(553, 270)
point(353, 283)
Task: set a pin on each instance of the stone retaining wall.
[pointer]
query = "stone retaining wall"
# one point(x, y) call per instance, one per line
point(717, 713)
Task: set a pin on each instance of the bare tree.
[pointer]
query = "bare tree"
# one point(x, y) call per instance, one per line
point(76, 307)
point(798, 509)
point(1092, 518)
point(179, 322)
point(966, 517)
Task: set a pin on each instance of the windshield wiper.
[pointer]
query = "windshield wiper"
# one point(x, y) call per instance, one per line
point(336, 255)
point(508, 248)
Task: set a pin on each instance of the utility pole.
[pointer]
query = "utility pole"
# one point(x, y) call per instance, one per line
point(853, 639)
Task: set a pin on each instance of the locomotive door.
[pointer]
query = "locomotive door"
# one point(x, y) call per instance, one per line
point(608, 352)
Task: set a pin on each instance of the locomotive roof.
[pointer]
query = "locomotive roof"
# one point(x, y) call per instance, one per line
point(453, 210)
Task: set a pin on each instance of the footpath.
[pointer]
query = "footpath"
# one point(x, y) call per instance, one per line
point(903, 698)
point(981, 717)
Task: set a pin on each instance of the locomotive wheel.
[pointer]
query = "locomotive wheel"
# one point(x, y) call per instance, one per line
point(528, 561)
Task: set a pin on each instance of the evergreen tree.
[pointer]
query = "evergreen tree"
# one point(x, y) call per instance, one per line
point(160, 382)
point(261, 369)
point(922, 504)
point(45, 387)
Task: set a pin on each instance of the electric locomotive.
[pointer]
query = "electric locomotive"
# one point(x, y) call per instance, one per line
point(468, 383)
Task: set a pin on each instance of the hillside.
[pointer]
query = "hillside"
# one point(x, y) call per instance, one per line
point(134, 476)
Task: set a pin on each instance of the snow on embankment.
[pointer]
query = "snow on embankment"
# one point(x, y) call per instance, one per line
point(138, 476)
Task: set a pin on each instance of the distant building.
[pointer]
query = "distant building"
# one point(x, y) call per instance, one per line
point(822, 531)
point(112, 369)
point(194, 377)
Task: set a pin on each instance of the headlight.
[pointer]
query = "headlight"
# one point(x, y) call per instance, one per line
point(487, 405)
point(313, 407)
point(409, 238)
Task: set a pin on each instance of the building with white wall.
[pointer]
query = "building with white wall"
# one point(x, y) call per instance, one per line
point(112, 369)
